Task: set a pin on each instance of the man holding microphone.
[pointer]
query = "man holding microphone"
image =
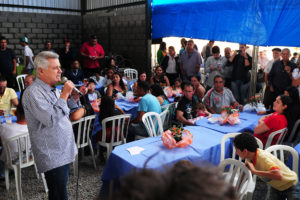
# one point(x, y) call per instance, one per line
point(50, 129)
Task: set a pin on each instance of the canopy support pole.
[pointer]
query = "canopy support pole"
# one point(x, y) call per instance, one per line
point(253, 80)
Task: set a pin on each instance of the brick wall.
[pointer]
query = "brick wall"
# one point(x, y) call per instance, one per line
point(39, 28)
point(120, 32)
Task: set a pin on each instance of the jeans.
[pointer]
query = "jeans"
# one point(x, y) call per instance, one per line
point(136, 129)
point(57, 180)
point(240, 90)
point(281, 195)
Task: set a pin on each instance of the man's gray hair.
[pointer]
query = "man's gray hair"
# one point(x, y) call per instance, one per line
point(41, 60)
point(286, 49)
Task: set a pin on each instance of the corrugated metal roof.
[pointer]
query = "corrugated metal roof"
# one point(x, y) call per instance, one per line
point(62, 4)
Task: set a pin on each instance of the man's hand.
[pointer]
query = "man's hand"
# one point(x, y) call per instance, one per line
point(67, 89)
point(250, 166)
point(211, 67)
point(14, 72)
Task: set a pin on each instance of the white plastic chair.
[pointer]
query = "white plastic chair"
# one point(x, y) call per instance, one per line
point(152, 123)
point(163, 116)
point(24, 159)
point(132, 74)
point(229, 136)
point(251, 187)
point(281, 132)
point(21, 81)
point(119, 128)
point(239, 176)
point(85, 127)
point(278, 151)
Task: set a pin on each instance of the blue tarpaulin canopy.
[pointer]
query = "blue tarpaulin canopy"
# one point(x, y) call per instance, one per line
point(256, 22)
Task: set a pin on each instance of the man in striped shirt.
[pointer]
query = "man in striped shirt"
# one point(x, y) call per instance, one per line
point(50, 130)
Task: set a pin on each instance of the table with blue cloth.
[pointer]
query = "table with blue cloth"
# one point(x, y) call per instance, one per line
point(248, 122)
point(205, 148)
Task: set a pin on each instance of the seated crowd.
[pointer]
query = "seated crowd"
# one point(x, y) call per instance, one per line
point(176, 80)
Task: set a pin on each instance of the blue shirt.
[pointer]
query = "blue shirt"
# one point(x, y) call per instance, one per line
point(49, 126)
point(149, 103)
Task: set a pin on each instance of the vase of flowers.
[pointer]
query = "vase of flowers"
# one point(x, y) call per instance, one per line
point(176, 137)
point(230, 115)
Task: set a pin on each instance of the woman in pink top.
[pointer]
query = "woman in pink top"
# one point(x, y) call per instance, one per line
point(275, 121)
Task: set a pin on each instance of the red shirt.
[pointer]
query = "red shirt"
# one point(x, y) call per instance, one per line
point(275, 122)
point(90, 50)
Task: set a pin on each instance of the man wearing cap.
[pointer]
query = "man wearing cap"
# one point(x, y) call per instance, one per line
point(8, 63)
point(28, 56)
point(91, 52)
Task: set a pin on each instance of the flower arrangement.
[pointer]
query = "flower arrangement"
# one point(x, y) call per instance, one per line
point(254, 100)
point(176, 137)
point(230, 115)
point(228, 109)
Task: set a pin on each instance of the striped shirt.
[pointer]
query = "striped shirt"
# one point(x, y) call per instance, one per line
point(217, 100)
point(50, 130)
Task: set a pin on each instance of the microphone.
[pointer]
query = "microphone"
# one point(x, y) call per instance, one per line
point(65, 79)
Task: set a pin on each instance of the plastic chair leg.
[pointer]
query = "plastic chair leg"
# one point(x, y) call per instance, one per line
point(93, 155)
point(7, 178)
point(44, 182)
point(75, 166)
point(17, 171)
point(36, 171)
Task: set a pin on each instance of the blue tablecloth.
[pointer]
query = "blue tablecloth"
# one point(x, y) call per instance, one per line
point(128, 107)
point(248, 122)
point(2, 119)
point(290, 161)
point(205, 147)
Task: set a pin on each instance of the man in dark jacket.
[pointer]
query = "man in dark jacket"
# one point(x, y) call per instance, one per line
point(240, 79)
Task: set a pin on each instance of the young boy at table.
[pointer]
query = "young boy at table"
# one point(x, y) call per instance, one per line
point(266, 166)
point(148, 103)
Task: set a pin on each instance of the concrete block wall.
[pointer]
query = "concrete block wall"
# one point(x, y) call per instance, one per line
point(39, 28)
point(120, 32)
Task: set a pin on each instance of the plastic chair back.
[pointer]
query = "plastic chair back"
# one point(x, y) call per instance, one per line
point(231, 136)
point(239, 176)
point(278, 151)
point(25, 157)
point(85, 127)
point(119, 128)
point(21, 81)
point(153, 124)
point(131, 74)
point(163, 116)
point(281, 133)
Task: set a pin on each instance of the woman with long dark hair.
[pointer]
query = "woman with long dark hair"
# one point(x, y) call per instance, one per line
point(107, 109)
point(275, 121)
point(159, 78)
point(142, 77)
point(117, 86)
point(158, 92)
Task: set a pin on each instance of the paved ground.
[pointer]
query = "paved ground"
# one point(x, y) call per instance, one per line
point(32, 188)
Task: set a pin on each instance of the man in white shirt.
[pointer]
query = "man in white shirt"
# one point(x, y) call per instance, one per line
point(170, 65)
point(28, 56)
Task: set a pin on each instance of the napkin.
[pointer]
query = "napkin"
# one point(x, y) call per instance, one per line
point(135, 150)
